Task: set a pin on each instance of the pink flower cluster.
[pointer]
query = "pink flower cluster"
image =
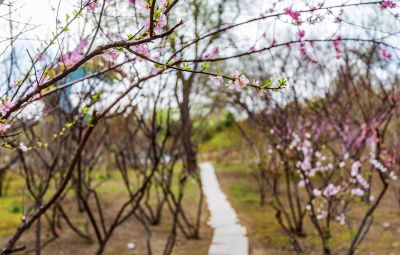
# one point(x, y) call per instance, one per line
point(315, 161)
point(387, 4)
point(295, 15)
point(23, 147)
point(141, 49)
point(144, 6)
point(111, 54)
point(211, 55)
point(92, 5)
point(358, 179)
point(4, 127)
point(217, 80)
point(5, 107)
point(303, 50)
point(239, 81)
point(76, 55)
point(160, 23)
point(336, 45)
point(385, 54)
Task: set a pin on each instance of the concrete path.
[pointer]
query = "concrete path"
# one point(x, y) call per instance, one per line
point(229, 236)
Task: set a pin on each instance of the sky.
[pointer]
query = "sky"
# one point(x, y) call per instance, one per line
point(37, 19)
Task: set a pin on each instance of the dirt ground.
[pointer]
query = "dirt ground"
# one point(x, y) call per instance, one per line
point(130, 232)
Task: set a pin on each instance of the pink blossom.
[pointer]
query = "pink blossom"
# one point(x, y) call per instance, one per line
point(13, 85)
point(393, 176)
point(341, 218)
point(316, 192)
point(229, 24)
point(211, 55)
point(322, 215)
point(262, 93)
point(387, 4)
point(256, 82)
point(76, 55)
point(217, 80)
point(144, 6)
point(239, 81)
point(331, 190)
point(5, 107)
point(36, 96)
point(364, 183)
point(162, 21)
point(295, 15)
point(132, 1)
point(160, 24)
point(146, 23)
point(162, 4)
point(301, 33)
point(141, 49)
point(355, 168)
point(385, 54)
point(252, 49)
point(23, 147)
point(155, 71)
point(302, 183)
point(4, 127)
point(234, 85)
point(336, 45)
point(40, 57)
point(303, 50)
point(357, 192)
point(82, 44)
point(92, 5)
point(112, 54)
point(243, 80)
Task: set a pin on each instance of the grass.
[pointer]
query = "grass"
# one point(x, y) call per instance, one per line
point(267, 237)
point(113, 195)
point(10, 213)
point(221, 140)
point(240, 192)
point(11, 210)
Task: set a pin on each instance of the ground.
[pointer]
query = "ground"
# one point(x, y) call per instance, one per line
point(131, 231)
point(236, 181)
point(267, 238)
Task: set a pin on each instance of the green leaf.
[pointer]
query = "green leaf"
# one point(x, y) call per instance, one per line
point(204, 66)
point(268, 84)
point(186, 67)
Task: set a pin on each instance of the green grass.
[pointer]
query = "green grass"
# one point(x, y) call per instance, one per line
point(10, 214)
point(240, 191)
point(221, 140)
point(11, 204)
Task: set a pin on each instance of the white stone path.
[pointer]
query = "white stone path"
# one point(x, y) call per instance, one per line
point(229, 236)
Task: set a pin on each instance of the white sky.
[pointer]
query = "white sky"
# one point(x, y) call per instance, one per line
point(41, 14)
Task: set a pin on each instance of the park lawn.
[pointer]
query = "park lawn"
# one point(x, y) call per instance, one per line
point(266, 236)
point(11, 210)
point(113, 195)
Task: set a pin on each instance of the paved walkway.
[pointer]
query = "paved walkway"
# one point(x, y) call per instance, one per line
point(229, 236)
